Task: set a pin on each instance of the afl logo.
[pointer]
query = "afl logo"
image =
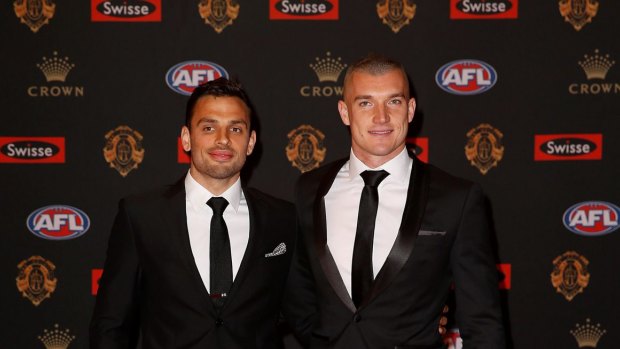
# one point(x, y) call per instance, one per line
point(184, 77)
point(58, 222)
point(466, 77)
point(592, 218)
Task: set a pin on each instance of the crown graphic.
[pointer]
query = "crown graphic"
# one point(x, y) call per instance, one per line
point(328, 68)
point(587, 335)
point(55, 68)
point(56, 338)
point(596, 67)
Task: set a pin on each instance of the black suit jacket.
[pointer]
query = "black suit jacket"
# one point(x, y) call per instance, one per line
point(151, 284)
point(444, 238)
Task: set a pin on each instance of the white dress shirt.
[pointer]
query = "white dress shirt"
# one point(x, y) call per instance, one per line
point(342, 205)
point(237, 218)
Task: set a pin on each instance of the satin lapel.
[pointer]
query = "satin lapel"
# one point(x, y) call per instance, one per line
point(175, 216)
point(254, 244)
point(417, 196)
point(320, 238)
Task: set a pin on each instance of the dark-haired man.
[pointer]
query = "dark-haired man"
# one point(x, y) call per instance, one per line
point(201, 263)
point(382, 236)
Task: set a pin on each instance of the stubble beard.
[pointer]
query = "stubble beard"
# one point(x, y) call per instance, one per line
point(218, 170)
point(222, 171)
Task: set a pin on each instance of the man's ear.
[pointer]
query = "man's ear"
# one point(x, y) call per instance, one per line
point(344, 112)
point(411, 109)
point(185, 139)
point(251, 143)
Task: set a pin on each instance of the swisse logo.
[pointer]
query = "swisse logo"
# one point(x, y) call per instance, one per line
point(58, 222)
point(483, 9)
point(592, 218)
point(303, 9)
point(32, 149)
point(568, 147)
point(466, 77)
point(125, 10)
point(184, 77)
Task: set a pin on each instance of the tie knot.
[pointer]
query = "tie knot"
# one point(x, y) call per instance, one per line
point(217, 204)
point(373, 178)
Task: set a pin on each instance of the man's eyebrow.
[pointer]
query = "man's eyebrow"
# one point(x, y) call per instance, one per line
point(398, 94)
point(237, 122)
point(207, 120)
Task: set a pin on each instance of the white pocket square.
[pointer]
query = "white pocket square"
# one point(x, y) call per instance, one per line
point(280, 249)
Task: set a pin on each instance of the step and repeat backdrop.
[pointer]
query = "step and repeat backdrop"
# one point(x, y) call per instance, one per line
point(520, 96)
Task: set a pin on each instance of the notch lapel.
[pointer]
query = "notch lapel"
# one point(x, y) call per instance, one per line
point(320, 237)
point(417, 197)
point(254, 244)
point(175, 216)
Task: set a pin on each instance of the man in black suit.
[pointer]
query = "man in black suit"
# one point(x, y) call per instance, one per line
point(201, 263)
point(382, 236)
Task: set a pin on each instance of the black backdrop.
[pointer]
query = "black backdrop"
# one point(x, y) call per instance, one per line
point(118, 78)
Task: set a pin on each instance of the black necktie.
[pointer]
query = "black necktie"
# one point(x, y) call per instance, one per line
point(221, 277)
point(362, 275)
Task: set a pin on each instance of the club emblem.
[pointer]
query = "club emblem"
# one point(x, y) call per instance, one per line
point(123, 149)
point(578, 12)
point(570, 274)
point(35, 279)
point(34, 14)
point(396, 13)
point(305, 149)
point(218, 13)
point(484, 147)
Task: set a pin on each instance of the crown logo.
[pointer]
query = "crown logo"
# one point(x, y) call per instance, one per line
point(596, 67)
point(56, 338)
point(55, 68)
point(328, 68)
point(587, 335)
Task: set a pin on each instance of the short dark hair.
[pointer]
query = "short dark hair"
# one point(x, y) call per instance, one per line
point(375, 64)
point(220, 87)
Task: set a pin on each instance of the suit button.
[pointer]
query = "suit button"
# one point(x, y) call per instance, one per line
point(357, 318)
point(219, 322)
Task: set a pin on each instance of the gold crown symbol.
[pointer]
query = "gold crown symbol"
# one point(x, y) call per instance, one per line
point(588, 335)
point(596, 67)
point(55, 69)
point(328, 68)
point(56, 338)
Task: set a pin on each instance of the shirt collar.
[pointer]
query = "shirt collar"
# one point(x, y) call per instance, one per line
point(199, 195)
point(398, 168)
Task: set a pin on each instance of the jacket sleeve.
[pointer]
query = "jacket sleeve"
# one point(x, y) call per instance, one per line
point(300, 299)
point(478, 310)
point(115, 319)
